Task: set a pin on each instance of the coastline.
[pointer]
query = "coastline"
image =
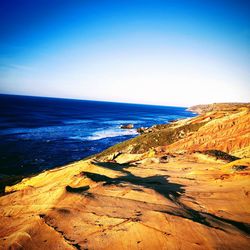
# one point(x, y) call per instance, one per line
point(51, 132)
point(144, 192)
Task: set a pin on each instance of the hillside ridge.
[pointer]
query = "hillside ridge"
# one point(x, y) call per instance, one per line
point(183, 185)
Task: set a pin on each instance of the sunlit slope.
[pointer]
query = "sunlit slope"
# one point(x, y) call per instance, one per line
point(146, 193)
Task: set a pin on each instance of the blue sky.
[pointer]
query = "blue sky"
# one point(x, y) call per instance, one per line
point(158, 52)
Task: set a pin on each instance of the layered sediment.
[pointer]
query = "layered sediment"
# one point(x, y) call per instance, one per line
point(183, 185)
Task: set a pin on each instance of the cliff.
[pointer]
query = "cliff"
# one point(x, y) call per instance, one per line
point(231, 107)
point(183, 185)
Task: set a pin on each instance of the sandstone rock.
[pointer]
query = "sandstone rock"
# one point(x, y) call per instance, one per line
point(164, 159)
point(239, 167)
point(142, 130)
point(153, 200)
point(127, 158)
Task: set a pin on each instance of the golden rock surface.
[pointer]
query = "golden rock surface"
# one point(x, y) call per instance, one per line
point(177, 196)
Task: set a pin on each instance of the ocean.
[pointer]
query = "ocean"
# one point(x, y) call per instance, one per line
point(38, 133)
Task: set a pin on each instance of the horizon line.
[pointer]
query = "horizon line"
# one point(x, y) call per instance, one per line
point(79, 99)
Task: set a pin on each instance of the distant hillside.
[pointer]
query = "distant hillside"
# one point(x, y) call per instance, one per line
point(221, 126)
point(217, 107)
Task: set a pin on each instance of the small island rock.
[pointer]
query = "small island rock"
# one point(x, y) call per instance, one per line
point(127, 126)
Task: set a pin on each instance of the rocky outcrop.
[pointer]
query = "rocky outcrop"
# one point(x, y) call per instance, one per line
point(228, 133)
point(142, 130)
point(127, 126)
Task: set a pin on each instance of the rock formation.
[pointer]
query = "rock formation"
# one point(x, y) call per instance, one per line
point(184, 185)
point(127, 126)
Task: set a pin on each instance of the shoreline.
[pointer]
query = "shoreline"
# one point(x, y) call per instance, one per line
point(145, 192)
point(8, 180)
point(50, 133)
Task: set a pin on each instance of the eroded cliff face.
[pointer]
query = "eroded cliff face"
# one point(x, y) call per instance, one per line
point(225, 131)
point(172, 188)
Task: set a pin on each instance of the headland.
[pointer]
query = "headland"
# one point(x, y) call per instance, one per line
point(182, 185)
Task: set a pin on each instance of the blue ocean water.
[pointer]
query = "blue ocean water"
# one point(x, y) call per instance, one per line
point(38, 133)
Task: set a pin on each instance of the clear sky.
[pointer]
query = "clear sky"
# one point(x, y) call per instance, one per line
point(168, 52)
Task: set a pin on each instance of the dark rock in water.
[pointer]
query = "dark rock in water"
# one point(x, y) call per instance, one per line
point(142, 130)
point(239, 167)
point(127, 126)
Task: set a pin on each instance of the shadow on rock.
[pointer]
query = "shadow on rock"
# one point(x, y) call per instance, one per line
point(171, 191)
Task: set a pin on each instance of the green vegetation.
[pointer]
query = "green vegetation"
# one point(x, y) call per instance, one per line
point(161, 135)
